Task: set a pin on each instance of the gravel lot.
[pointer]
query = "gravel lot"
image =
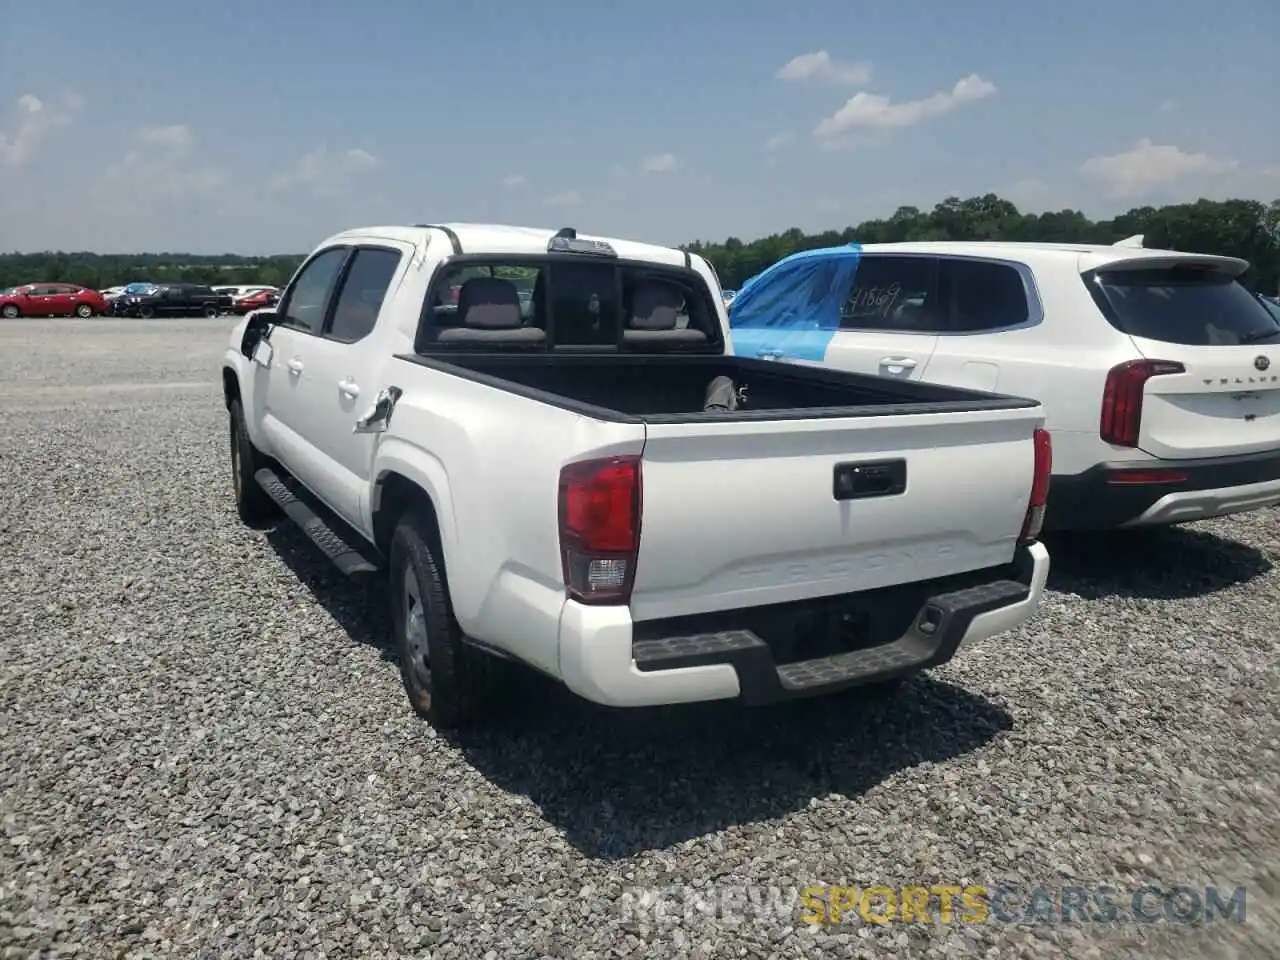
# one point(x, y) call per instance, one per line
point(205, 751)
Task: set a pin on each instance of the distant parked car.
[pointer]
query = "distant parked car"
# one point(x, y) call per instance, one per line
point(174, 300)
point(267, 297)
point(52, 300)
point(243, 290)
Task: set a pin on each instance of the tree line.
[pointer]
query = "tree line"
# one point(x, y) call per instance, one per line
point(1240, 228)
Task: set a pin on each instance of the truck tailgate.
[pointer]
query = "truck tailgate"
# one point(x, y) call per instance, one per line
point(740, 514)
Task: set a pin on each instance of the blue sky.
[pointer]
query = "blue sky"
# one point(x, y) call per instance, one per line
point(262, 127)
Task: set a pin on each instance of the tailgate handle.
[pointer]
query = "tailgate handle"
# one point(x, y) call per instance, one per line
point(873, 478)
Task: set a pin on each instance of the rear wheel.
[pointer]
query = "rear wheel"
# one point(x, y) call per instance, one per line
point(254, 507)
point(10, 311)
point(84, 311)
point(447, 682)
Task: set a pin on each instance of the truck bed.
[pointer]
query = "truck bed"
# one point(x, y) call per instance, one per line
point(826, 482)
point(672, 389)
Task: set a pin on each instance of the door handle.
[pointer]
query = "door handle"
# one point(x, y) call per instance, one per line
point(905, 362)
point(294, 365)
point(770, 355)
point(349, 388)
point(378, 416)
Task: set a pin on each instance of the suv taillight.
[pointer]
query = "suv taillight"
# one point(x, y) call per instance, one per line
point(1034, 519)
point(1121, 421)
point(600, 528)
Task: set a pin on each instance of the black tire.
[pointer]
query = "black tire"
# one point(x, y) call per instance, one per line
point(210, 310)
point(10, 311)
point(84, 311)
point(146, 312)
point(254, 507)
point(448, 683)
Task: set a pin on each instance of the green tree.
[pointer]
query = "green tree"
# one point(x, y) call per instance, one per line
point(1247, 229)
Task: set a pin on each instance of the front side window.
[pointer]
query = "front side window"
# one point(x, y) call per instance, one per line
point(305, 304)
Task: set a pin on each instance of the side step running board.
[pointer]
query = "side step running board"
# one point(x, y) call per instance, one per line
point(350, 560)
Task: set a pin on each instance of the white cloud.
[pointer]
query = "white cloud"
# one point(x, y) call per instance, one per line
point(660, 163)
point(514, 181)
point(777, 141)
point(140, 179)
point(36, 122)
point(870, 111)
point(821, 66)
point(176, 136)
point(1148, 166)
point(325, 172)
point(1168, 106)
point(566, 198)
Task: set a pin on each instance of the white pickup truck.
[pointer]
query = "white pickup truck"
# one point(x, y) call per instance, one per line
point(546, 444)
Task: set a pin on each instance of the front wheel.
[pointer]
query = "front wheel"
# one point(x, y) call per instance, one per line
point(254, 507)
point(210, 310)
point(84, 311)
point(447, 682)
point(146, 313)
point(10, 311)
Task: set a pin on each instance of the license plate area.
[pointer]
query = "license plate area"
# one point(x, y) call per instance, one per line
point(870, 478)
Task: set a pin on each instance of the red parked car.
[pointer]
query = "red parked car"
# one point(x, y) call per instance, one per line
point(52, 300)
point(256, 301)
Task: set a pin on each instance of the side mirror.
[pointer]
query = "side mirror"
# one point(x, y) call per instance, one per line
point(256, 331)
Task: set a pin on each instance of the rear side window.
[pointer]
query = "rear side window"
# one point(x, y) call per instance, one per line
point(981, 295)
point(1187, 305)
point(362, 293)
point(899, 294)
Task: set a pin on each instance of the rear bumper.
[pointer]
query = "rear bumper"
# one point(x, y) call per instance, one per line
point(1189, 490)
point(602, 661)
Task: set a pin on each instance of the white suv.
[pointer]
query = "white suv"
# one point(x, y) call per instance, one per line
point(1159, 372)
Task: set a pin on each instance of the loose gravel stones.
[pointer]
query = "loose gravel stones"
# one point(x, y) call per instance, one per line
point(205, 751)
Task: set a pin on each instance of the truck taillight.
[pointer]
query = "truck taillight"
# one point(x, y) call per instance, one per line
point(1121, 421)
point(1034, 519)
point(600, 528)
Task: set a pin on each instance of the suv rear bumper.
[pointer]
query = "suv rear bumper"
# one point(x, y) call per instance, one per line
point(602, 661)
point(1187, 490)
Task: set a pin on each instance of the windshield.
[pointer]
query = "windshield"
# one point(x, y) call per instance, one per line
point(140, 288)
point(1190, 305)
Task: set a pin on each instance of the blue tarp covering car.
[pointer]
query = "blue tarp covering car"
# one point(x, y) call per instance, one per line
point(792, 309)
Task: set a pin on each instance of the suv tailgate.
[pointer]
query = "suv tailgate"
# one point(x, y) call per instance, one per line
point(1193, 311)
point(744, 513)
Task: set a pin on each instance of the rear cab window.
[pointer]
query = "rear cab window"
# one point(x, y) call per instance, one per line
point(570, 302)
point(1193, 304)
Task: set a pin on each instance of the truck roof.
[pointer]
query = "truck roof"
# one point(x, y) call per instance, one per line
point(495, 238)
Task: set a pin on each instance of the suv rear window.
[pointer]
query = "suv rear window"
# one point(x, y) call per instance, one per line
point(1193, 306)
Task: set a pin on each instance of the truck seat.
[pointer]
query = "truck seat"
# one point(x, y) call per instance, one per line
point(489, 313)
point(655, 307)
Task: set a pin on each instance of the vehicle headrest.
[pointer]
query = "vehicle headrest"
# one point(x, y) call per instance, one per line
point(655, 306)
point(489, 303)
